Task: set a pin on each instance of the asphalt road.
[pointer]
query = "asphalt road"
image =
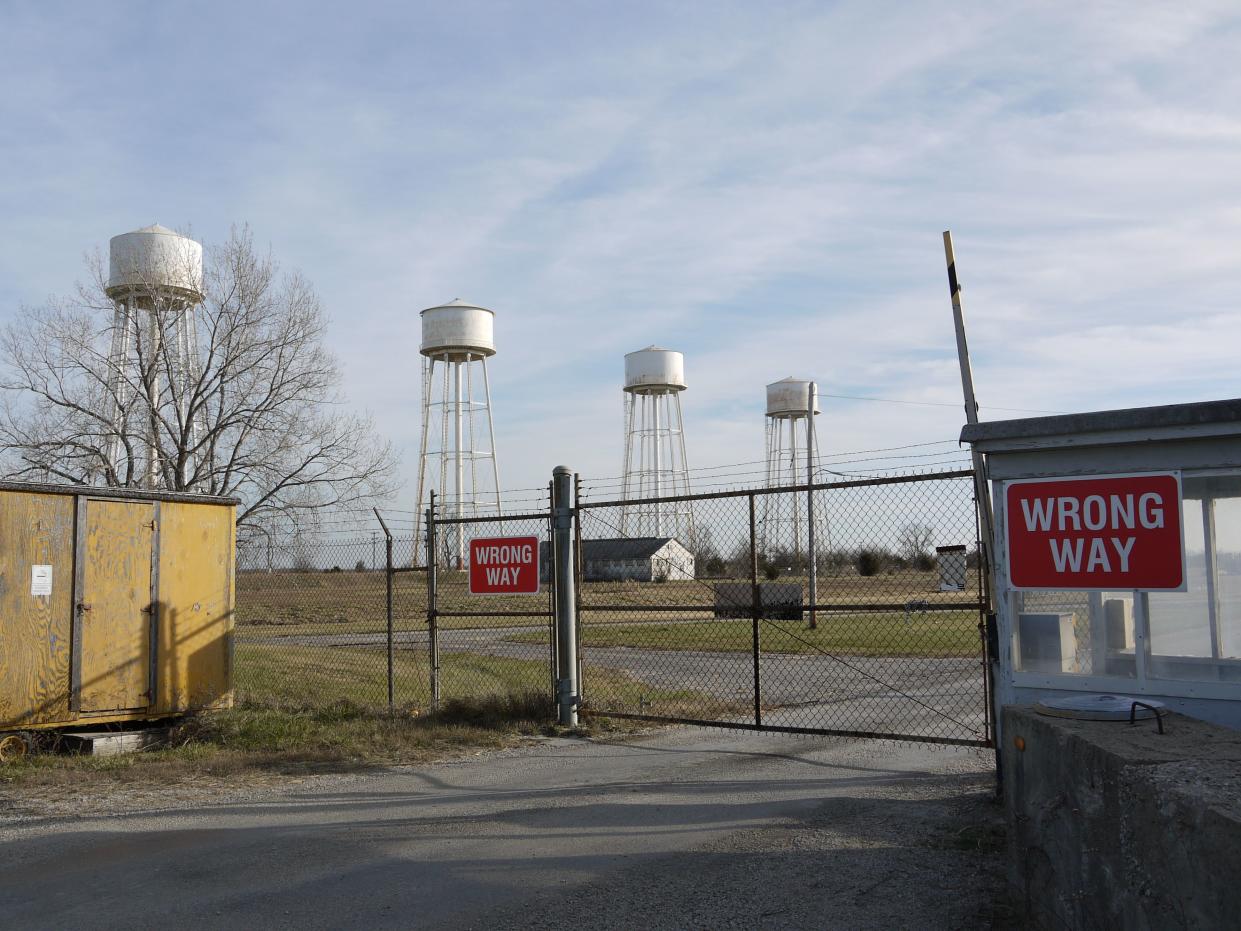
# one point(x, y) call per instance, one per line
point(922, 696)
point(687, 828)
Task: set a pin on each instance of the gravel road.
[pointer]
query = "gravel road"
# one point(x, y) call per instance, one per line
point(686, 828)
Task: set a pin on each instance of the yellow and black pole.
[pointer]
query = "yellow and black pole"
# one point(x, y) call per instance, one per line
point(981, 491)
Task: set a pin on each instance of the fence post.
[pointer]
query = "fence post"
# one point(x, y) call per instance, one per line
point(566, 596)
point(813, 580)
point(388, 577)
point(756, 610)
point(433, 641)
point(577, 582)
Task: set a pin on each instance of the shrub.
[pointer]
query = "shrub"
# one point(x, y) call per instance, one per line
point(869, 562)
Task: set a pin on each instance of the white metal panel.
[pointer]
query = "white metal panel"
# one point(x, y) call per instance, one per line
point(155, 258)
point(458, 327)
point(789, 397)
point(654, 371)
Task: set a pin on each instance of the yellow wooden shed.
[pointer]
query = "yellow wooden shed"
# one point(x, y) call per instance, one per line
point(115, 604)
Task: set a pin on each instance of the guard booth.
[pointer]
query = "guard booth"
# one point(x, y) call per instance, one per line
point(1118, 555)
point(115, 605)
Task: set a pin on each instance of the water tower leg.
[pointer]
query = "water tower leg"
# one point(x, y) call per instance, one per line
point(459, 465)
point(427, 386)
point(491, 435)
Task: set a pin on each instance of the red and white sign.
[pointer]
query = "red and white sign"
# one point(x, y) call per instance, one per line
point(504, 566)
point(1111, 532)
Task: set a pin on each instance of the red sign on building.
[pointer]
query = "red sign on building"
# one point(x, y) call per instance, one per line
point(1111, 532)
point(504, 566)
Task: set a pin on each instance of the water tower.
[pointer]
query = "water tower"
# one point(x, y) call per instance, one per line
point(790, 433)
point(457, 458)
point(155, 282)
point(655, 463)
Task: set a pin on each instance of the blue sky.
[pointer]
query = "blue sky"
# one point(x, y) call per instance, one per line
point(762, 186)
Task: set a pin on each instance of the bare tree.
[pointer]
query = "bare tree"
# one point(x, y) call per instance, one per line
point(259, 416)
point(914, 544)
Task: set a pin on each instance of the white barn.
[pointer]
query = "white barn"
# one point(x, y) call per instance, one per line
point(631, 559)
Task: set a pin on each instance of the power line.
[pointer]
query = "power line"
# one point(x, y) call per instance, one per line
point(989, 407)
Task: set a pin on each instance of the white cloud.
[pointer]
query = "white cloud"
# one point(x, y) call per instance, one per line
point(760, 187)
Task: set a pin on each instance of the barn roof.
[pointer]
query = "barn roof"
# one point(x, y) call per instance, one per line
point(623, 548)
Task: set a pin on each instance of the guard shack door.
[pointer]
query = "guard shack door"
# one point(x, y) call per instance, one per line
point(115, 604)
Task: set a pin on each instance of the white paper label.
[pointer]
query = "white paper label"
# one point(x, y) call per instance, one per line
point(40, 580)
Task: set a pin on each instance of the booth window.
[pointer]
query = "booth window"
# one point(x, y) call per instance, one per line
point(1196, 634)
point(1193, 635)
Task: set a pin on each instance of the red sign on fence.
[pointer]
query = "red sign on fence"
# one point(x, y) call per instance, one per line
point(504, 566)
point(1105, 532)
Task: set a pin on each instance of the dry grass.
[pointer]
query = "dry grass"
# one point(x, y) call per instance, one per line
point(252, 741)
point(303, 711)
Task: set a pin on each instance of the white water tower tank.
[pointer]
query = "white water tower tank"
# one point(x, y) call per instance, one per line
point(654, 371)
point(459, 330)
point(155, 259)
point(789, 397)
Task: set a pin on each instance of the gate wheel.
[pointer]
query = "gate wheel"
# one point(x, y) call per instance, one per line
point(13, 747)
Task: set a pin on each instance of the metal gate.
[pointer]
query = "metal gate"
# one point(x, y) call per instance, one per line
point(853, 608)
point(483, 645)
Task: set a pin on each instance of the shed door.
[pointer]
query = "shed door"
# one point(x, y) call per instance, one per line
point(115, 605)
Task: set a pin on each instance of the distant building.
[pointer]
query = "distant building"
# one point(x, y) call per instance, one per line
point(629, 559)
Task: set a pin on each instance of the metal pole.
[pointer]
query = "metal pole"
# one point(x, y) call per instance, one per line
point(566, 596)
point(813, 580)
point(491, 434)
point(1212, 572)
point(981, 491)
point(626, 474)
point(659, 466)
point(388, 579)
point(691, 531)
point(756, 610)
point(153, 346)
point(577, 580)
point(432, 620)
point(460, 464)
point(428, 367)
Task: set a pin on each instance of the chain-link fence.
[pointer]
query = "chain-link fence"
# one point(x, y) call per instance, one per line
point(312, 624)
point(850, 608)
point(325, 621)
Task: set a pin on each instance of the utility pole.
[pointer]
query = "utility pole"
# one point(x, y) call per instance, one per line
point(981, 492)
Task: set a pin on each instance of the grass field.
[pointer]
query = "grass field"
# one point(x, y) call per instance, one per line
point(281, 675)
point(939, 633)
point(299, 603)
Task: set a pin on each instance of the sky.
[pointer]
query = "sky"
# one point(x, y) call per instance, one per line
point(760, 186)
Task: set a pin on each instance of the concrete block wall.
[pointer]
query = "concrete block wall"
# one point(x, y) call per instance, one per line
point(1112, 826)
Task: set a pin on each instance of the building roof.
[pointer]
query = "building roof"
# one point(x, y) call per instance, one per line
point(623, 548)
point(1197, 414)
